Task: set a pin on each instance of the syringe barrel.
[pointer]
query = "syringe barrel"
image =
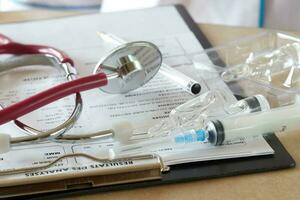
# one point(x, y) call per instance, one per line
point(253, 124)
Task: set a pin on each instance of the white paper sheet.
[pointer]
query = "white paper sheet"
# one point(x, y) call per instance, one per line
point(143, 107)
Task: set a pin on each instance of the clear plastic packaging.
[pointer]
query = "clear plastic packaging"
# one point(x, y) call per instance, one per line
point(193, 114)
point(266, 63)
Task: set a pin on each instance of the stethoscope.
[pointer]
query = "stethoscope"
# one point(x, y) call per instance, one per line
point(126, 68)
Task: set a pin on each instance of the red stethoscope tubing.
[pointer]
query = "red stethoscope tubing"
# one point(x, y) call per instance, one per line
point(7, 46)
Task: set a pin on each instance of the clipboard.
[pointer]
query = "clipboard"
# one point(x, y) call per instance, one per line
point(153, 175)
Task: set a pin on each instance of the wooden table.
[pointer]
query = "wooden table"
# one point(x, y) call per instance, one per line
point(283, 184)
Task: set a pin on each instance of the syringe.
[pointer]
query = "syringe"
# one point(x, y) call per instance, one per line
point(254, 124)
point(192, 136)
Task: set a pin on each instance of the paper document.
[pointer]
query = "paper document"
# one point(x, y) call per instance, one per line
point(144, 107)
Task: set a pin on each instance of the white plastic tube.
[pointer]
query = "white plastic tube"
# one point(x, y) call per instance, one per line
point(186, 82)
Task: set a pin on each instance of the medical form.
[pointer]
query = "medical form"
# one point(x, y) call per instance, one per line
point(144, 107)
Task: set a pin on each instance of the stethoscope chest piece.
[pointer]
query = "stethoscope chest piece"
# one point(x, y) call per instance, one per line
point(129, 66)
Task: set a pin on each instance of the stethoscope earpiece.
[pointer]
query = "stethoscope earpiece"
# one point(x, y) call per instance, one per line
point(122, 131)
